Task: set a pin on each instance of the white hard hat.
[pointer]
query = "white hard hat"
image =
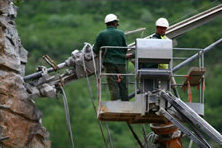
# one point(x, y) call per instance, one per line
point(162, 22)
point(110, 18)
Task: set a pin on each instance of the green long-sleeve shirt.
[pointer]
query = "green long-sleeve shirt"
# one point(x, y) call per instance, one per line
point(111, 37)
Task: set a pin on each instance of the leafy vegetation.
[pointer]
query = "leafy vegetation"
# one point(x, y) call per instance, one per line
point(58, 27)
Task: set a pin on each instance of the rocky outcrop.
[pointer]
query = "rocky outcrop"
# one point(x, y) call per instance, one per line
point(19, 117)
point(13, 55)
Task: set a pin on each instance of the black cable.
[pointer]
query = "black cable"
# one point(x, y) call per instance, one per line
point(135, 136)
point(67, 116)
point(93, 103)
point(130, 96)
point(110, 139)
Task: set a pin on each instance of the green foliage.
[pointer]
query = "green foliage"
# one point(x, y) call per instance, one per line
point(18, 2)
point(58, 27)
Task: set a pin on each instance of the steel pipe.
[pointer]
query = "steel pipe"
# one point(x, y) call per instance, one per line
point(38, 74)
point(195, 56)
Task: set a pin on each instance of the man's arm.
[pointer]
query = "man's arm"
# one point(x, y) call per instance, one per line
point(124, 40)
point(130, 55)
point(97, 45)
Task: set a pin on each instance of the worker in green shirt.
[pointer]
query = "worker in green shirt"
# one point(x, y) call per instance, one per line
point(161, 27)
point(114, 60)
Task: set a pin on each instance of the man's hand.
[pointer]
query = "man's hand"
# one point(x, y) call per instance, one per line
point(129, 55)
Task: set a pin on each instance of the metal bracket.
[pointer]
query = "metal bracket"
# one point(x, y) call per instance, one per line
point(195, 119)
point(183, 128)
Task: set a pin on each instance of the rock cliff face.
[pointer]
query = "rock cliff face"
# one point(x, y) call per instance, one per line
point(19, 118)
